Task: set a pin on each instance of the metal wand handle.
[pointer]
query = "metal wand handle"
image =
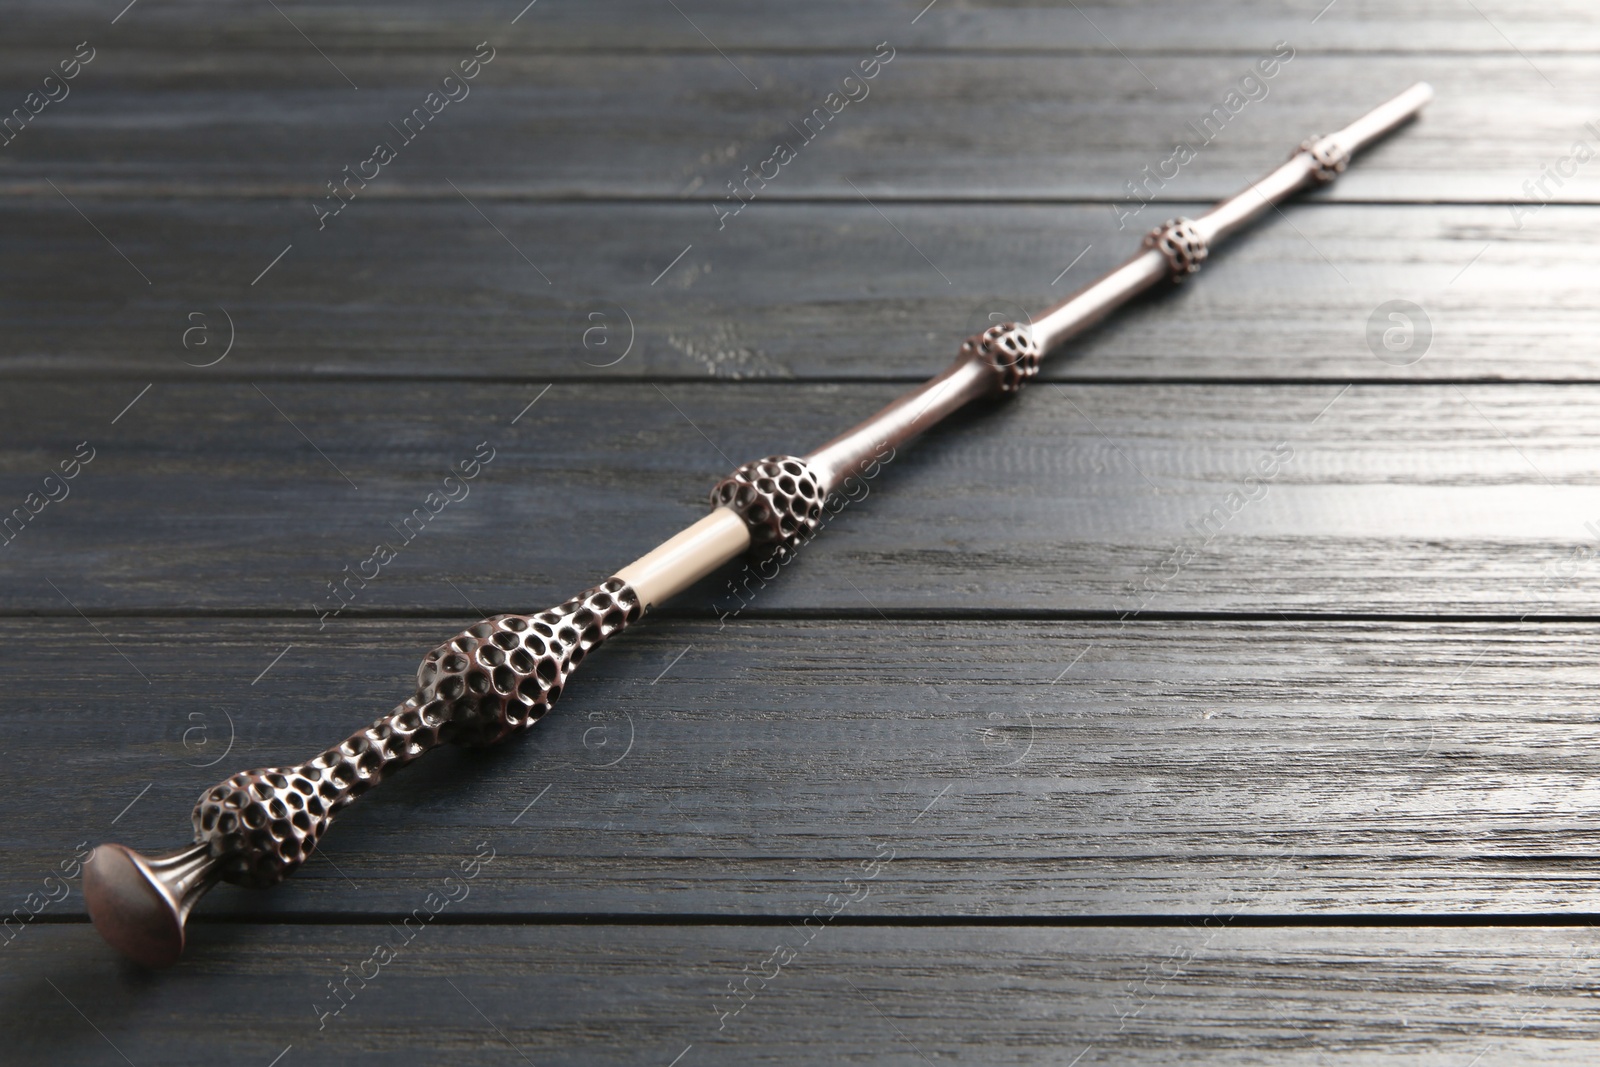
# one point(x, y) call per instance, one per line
point(257, 828)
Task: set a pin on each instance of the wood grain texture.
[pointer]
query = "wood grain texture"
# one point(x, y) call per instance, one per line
point(196, 123)
point(1124, 758)
point(1111, 499)
point(431, 290)
point(611, 26)
point(997, 768)
point(642, 995)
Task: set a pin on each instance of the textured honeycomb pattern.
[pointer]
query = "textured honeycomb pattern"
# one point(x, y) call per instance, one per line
point(263, 824)
point(1181, 243)
point(492, 679)
point(504, 673)
point(1009, 351)
point(1330, 162)
point(780, 499)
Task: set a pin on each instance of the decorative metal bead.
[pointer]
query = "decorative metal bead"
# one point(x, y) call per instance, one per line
point(780, 499)
point(493, 678)
point(504, 673)
point(1330, 160)
point(1181, 242)
point(1009, 351)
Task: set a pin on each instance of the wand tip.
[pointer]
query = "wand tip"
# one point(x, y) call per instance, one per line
point(139, 903)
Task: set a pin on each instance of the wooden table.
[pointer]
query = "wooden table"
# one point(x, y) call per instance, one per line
point(1030, 758)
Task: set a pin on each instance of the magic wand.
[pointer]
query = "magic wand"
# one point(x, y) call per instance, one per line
point(503, 674)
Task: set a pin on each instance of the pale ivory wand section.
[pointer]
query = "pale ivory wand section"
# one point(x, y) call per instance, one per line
point(503, 674)
point(677, 563)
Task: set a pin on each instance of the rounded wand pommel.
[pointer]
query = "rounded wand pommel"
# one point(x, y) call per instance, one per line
point(140, 903)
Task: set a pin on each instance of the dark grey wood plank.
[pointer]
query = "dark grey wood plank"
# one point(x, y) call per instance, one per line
point(284, 123)
point(1008, 768)
point(1104, 27)
point(863, 995)
point(725, 779)
point(1116, 498)
point(429, 289)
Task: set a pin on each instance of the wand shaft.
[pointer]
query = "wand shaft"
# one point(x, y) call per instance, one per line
point(1171, 251)
point(717, 539)
point(676, 564)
